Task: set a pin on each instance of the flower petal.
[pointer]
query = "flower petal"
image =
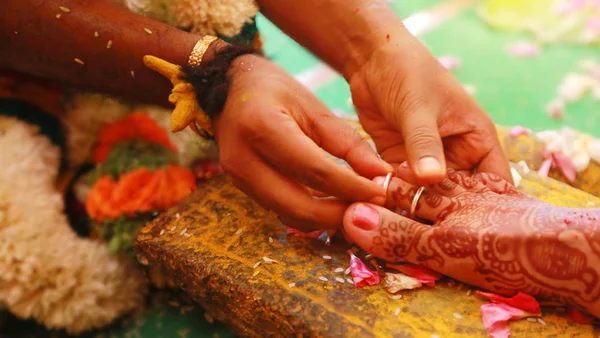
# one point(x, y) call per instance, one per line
point(313, 234)
point(496, 316)
point(521, 301)
point(421, 273)
point(361, 274)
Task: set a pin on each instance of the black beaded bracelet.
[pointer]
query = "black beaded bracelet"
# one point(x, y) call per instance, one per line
point(211, 79)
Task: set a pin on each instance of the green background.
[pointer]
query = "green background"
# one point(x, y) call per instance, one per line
point(513, 90)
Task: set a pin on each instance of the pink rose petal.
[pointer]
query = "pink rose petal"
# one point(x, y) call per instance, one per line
point(524, 49)
point(496, 316)
point(545, 168)
point(566, 166)
point(313, 234)
point(361, 274)
point(421, 273)
point(521, 301)
point(519, 130)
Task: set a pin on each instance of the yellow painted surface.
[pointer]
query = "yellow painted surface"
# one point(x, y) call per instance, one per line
point(215, 266)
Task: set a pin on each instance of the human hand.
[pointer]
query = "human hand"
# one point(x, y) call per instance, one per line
point(416, 111)
point(487, 233)
point(274, 136)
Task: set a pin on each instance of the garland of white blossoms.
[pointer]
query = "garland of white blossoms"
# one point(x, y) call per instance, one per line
point(223, 17)
point(47, 272)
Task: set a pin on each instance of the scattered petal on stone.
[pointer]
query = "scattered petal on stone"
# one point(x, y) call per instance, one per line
point(314, 234)
point(521, 301)
point(395, 282)
point(545, 168)
point(269, 260)
point(450, 62)
point(422, 274)
point(566, 166)
point(524, 49)
point(579, 317)
point(581, 160)
point(496, 316)
point(361, 274)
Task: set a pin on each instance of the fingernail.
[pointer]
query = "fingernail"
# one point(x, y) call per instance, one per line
point(365, 217)
point(428, 165)
point(379, 180)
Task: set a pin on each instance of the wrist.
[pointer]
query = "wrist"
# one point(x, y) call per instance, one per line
point(380, 35)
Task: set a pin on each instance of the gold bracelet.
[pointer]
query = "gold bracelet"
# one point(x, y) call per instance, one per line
point(200, 49)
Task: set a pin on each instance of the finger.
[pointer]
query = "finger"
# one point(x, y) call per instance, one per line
point(495, 162)
point(384, 233)
point(286, 148)
point(291, 201)
point(447, 187)
point(497, 184)
point(430, 205)
point(423, 145)
point(342, 141)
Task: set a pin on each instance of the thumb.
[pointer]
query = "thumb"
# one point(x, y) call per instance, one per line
point(424, 146)
point(383, 233)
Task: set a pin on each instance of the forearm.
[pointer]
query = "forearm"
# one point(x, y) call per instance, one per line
point(342, 33)
point(96, 45)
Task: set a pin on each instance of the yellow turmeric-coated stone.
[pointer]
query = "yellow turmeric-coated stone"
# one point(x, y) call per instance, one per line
point(216, 266)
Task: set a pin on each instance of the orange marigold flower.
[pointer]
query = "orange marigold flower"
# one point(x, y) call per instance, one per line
point(135, 125)
point(98, 203)
point(139, 191)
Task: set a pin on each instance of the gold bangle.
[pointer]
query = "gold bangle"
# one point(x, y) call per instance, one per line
point(200, 49)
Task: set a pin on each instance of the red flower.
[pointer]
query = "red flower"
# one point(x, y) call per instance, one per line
point(135, 125)
point(361, 274)
point(579, 317)
point(421, 273)
point(313, 234)
point(520, 301)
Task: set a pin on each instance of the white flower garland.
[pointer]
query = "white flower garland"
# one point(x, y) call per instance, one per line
point(47, 272)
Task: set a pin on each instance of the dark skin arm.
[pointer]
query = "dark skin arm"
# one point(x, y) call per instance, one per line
point(34, 41)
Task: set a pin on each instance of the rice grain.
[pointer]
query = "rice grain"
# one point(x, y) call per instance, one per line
point(256, 265)
point(291, 285)
point(162, 232)
point(457, 315)
point(109, 44)
point(338, 270)
point(340, 280)
point(324, 279)
point(397, 312)
point(327, 257)
point(58, 15)
point(65, 9)
point(269, 260)
point(79, 61)
point(147, 30)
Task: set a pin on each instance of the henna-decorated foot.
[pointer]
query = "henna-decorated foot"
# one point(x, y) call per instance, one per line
point(486, 233)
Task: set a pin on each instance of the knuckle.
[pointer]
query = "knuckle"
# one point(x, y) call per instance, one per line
point(423, 137)
point(315, 176)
